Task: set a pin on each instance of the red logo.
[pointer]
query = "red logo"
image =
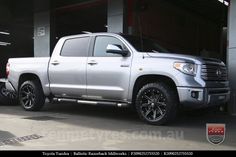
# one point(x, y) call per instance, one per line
point(215, 133)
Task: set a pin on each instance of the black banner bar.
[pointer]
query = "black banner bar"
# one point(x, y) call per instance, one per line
point(114, 153)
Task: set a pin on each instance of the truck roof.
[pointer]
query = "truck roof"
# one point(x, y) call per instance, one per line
point(89, 34)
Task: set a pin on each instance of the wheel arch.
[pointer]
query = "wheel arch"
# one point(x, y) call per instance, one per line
point(145, 79)
point(28, 77)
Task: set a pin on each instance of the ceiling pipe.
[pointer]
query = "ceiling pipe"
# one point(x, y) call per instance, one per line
point(80, 6)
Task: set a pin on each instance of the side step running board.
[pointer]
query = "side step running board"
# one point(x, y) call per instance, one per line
point(100, 103)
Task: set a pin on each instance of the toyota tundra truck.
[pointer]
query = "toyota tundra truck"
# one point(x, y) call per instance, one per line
point(119, 70)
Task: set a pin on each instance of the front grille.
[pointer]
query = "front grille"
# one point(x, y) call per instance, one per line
point(214, 72)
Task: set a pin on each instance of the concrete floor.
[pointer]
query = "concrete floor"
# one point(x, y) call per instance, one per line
point(78, 127)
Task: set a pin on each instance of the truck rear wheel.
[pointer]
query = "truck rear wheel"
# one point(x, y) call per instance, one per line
point(156, 103)
point(31, 95)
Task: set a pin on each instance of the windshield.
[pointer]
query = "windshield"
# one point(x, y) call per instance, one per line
point(145, 45)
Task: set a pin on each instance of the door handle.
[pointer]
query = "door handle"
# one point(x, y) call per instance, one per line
point(92, 62)
point(55, 62)
point(124, 65)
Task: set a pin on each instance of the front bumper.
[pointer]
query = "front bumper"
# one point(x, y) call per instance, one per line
point(8, 85)
point(203, 97)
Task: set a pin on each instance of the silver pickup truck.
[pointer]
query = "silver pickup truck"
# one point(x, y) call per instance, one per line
point(119, 70)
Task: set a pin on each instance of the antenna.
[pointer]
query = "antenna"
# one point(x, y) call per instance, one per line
point(140, 30)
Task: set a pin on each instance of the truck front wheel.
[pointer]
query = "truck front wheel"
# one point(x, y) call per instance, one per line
point(156, 103)
point(31, 95)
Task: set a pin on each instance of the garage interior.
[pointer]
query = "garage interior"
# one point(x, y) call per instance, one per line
point(16, 29)
point(67, 18)
point(196, 27)
point(73, 19)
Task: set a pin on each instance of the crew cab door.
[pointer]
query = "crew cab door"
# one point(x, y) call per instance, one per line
point(67, 68)
point(108, 74)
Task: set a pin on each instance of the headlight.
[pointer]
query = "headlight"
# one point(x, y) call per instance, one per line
point(187, 68)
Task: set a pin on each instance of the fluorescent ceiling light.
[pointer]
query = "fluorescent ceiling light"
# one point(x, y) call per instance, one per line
point(4, 43)
point(5, 33)
point(224, 2)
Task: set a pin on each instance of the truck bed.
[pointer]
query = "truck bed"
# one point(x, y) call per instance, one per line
point(35, 66)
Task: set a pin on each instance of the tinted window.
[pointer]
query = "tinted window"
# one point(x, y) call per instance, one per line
point(77, 47)
point(101, 44)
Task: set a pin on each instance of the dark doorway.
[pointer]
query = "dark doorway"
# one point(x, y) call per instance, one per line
point(73, 19)
point(195, 27)
point(16, 30)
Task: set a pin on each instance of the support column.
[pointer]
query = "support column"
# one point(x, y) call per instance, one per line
point(115, 17)
point(231, 54)
point(42, 27)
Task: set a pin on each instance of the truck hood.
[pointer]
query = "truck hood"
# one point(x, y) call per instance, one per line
point(186, 58)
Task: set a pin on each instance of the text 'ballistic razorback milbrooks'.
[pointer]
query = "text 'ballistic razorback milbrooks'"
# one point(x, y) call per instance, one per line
point(119, 70)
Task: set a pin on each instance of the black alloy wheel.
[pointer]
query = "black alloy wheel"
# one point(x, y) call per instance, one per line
point(31, 95)
point(153, 104)
point(156, 103)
